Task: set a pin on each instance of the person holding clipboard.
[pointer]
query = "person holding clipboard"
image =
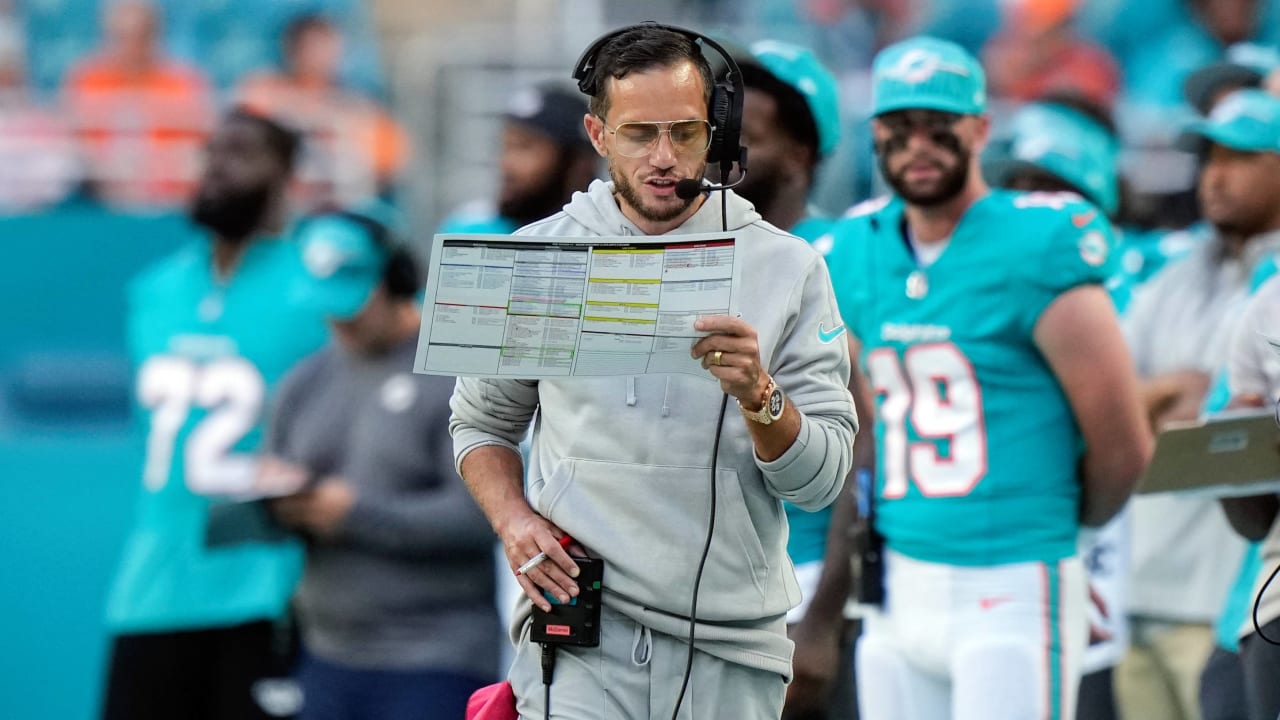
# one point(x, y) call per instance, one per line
point(1253, 375)
point(1178, 325)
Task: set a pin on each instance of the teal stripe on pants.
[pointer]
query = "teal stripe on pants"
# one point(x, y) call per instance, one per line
point(1053, 588)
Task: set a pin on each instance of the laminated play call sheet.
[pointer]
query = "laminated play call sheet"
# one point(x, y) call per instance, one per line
point(539, 307)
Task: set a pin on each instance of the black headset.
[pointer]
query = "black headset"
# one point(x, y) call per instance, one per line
point(725, 109)
point(401, 274)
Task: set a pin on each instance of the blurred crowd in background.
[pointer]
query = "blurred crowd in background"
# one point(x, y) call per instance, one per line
point(108, 110)
point(111, 101)
point(106, 105)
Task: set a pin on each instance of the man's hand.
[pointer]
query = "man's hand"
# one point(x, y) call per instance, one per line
point(526, 536)
point(1097, 633)
point(319, 511)
point(277, 477)
point(732, 353)
point(814, 665)
point(1175, 396)
point(494, 476)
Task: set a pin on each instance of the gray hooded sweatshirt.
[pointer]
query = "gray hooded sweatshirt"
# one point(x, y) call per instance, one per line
point(624, 464)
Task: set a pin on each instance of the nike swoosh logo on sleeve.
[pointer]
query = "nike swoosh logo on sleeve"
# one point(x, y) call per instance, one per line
point(826, 336)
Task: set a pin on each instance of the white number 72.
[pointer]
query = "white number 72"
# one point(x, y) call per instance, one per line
point(230, 393)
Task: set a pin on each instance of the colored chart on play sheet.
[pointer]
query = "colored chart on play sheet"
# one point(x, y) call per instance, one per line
point(539, 307)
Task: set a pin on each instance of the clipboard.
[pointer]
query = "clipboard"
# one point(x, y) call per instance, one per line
point(1226, 454)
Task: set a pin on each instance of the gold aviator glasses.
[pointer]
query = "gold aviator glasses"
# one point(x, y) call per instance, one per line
point(637, 139)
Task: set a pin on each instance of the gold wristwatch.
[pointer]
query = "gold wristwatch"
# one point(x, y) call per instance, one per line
point(771, 409)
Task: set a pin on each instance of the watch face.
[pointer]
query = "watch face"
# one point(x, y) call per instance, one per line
point(775, 403)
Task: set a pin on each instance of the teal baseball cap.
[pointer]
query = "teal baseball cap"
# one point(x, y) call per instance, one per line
point(344, 261)
point(1064, 143)
point(1247, 120)
point(928, 74)
point(800, 68)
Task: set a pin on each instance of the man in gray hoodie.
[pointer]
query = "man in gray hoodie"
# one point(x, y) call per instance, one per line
point(624, 465)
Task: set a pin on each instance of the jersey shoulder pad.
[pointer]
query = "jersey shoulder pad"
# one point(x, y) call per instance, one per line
point(867, 207)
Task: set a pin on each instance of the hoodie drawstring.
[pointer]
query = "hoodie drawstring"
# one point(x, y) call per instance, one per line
point(641, 646)
point(666, 395)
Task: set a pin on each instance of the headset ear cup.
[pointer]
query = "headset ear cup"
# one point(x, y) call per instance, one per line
point(731, 137)
point(719, 113)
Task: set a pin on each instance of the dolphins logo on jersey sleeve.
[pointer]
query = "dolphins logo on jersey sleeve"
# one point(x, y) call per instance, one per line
point(1093, 248)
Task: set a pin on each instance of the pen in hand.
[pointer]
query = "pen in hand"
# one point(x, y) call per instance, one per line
point(536, 560)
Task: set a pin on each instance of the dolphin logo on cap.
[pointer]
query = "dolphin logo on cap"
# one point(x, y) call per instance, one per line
point(322, 257)
point(918, 65)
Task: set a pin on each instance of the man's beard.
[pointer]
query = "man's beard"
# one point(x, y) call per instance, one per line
point(1233, 220)
point(544, 200)
point(233, 215)
point(947, 188)
point(665, 213)
point(1235, 227)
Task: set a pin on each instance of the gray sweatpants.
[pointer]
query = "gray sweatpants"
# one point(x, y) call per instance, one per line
point(635, 674)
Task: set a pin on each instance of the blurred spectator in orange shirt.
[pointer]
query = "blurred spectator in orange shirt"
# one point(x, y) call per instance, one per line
point(1037, 51)
point(142, 118)
point(354, 149)
point(39, 165)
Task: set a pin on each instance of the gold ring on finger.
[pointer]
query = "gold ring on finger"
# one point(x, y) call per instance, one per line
point(716, 358)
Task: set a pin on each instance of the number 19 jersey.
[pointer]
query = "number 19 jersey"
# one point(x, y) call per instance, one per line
point(977, 447)
point(207, 356)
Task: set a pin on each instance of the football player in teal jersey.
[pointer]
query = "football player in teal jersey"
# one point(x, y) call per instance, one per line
point(1007, 412)
point(205, 575)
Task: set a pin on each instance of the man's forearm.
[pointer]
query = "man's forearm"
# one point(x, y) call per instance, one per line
point(832, 591)
point(495, 476)
point(1107, 483)
point(442, 522)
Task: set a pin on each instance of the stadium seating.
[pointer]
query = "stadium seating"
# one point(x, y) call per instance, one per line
point(226, 37)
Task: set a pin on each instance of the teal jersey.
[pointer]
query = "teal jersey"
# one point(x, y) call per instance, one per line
point(977, 447)
point(207, 356)
point(811, 228)
point(807, 535)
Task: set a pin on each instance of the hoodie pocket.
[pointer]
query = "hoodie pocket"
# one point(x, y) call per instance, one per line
point(649, 524)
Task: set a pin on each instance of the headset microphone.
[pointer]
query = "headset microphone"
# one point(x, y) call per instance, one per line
point(689, 188)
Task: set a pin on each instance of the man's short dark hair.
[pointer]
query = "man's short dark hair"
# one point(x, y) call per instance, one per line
point(301, 25)
point(641, 49)
point(794, 116)
point(284, 142)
